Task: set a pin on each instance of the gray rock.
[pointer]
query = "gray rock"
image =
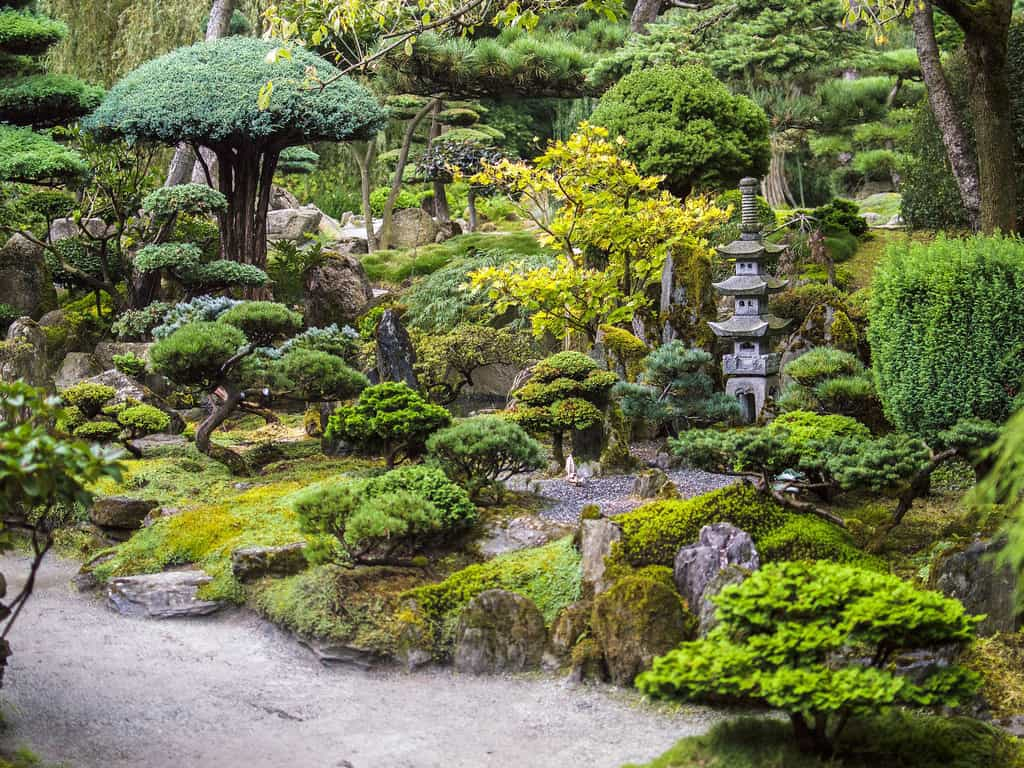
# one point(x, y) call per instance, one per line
point(120, 512)
point(63, 229)
point(649, 483)
point(105, 351)
point(52, 319)
point(519, 533)
point(415, 641)
point(971, 576)
point(707, 614)
point(333, 654)
point(337, 291)
point(499, 632)
point(250, 563)
point(396, 356)
point(23, 355)
point(293, 224)
point(570, 625)
point(281, 198)
point(76, 367)
point(412, 228)
point(158, 514)
point(171, 594)
point(350, 246)
point(596, 539)
point(720, 545)
point(330, 228)
point(25, 282)
point(447, 231)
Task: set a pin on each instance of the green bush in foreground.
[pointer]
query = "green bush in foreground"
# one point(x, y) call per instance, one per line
point(897, 738)
point(819, 641)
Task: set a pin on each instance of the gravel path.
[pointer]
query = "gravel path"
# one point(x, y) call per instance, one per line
point(100, 691)
point(612, 493)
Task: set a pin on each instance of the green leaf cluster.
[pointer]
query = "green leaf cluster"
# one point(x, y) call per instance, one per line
point(567, 391)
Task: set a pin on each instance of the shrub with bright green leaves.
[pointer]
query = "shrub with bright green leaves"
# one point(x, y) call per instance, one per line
point(142, 420)
point(675, 390)
point(98, 431)
point(683, 123)
point(481, 452)
point(262, 322)
point(319, 376)
point(196, 353)
point(389, 419)
point(130, 364)
point(88, 398)
point(947, 326)
point(568, 392)
point(385, 517)
point(828, 380)
point(819, 641)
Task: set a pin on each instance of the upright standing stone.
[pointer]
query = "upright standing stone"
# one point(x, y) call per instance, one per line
point(720, 545)
point(396, 357)
point(25, 282)
point(753, 368)
point(499, 632)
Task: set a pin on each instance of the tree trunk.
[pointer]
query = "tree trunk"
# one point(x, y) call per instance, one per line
point(364, 159)
point(183, 166)
point(989, 97)
point(219, 411)
point(645, 12)
point(471, 205)
point(776, 188)
point(246, 180)
point(384, 241)
point(441, 212)
point(950, 122)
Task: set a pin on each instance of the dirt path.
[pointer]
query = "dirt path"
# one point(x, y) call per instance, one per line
point(100, 691)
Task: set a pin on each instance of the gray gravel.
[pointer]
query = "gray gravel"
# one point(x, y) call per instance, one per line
point(612, 493)
point(100, 691)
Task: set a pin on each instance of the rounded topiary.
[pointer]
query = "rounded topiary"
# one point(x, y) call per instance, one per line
point(320, 376)
point(142, 420)
point(262, 322)
point(88, 397)
point(196, 353)
point(100, 431)
point(823, 363)
point(195, 199)
point(681, 122)
point(181, 257)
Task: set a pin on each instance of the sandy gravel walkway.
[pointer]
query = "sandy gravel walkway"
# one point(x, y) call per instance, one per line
point(100, 691)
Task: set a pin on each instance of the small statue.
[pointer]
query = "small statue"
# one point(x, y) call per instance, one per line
point(570, 471)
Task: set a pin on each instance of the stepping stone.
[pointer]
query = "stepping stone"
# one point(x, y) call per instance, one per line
point(167, 595)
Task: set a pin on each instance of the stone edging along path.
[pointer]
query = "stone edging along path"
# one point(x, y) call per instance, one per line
point(97, 690)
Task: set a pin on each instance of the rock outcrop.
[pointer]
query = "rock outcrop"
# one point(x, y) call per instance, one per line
point(499, 632)
point(167, 595)
point(596, 539)
point(76, 367)
point(23, 354)
point(337, 291)
point(973, 577)
point(120, 512)
point(719, 546)
point(396, 357)
point(251, 563)
point(293, 224)
point(25, 281)
point(412, 228)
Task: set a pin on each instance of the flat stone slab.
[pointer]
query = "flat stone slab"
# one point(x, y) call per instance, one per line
point(167, 595)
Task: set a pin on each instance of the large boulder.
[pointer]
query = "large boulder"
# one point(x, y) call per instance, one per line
point(337, 291)
point(23, 355)
point(499, 632)
point(105, 351)
point(120, 512)
point(171, 594)
point(412, 228)
point(63, 229)
point(649, 483)
point(415, 636)
point(25, 282)
point(720, 545)
point(596, 539)
point(251, 563)
point(972, 577)
point(707, 612)
point(293, 224)
point(76, 367)
point(635, 621)
point(396, 357)
point(281, 198)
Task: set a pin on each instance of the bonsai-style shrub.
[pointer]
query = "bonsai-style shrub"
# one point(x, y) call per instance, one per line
point(482, 452)
point(447, 362)
point(226, 356)
point(89, 417)
point(298, 161)
point(246, 106)
point(683, 123)
point(88, 398)
point(827, 380)
point(130, 364)
point(142, 420)
point(389, 419)
point(567, 392)
point(386, 517)
point(947, 320)
point(675, 390)
point(819, 642)
point(445, 160)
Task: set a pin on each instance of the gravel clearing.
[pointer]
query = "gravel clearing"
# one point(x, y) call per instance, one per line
point(100, 691)
point(613, 492)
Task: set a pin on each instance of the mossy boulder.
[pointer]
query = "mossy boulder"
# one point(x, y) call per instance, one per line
point(498, 632)
point(25, 281)
point(637, 620)
point(571, 625)
point(251, 563)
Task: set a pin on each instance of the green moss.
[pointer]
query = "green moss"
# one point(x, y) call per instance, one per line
point(358, 607)
point(898, 739)
point(803, 537)
point(1000, 661)
point(549, 575)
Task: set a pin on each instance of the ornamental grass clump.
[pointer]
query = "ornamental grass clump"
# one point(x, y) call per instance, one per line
point(819, 641)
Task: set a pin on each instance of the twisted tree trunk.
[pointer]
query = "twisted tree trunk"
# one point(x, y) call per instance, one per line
point(222, 404)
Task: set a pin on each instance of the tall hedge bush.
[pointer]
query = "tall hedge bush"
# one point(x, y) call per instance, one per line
point(947, 331)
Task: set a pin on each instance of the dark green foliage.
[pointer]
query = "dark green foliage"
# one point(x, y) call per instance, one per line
point(27, 156)
point(180, 258)
point(390, 419)
point(443, 158)
point(675, 390)
point(297, 160)
point(842, 214)
point(130, 364)
point(45, 100)
point(318, 376)
point(287, 265)
point(797, 303)
point(780, 639)
point(222, 104)
point(262, 322)
point(823, 363)
point(196, 353)
point(195, 199)
point(828, 380)
point(224, 273)
point(396, 513)
point(97, 431)
point(138, 324)
point(28, 34)
point(947, 325)
point(481, 452)
point(685, 124)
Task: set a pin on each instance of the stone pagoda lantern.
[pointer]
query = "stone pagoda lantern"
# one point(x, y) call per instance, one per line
point(752, 370)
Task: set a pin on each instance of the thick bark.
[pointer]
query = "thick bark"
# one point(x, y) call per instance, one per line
point(645, 12)
point(364, 159)
point(776, 188)
point(183, 167)
point(384, 242)
point(950, 122)
point(441, 212)
point(246, 180)
point(220, 409)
